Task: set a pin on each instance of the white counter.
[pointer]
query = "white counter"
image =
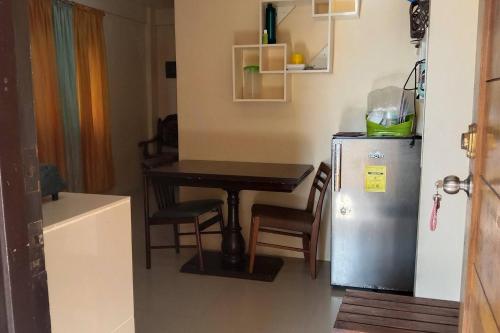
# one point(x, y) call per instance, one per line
point(88, 257)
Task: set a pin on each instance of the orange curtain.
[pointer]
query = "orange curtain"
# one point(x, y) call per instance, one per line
point(92, 86)
point(45, 86)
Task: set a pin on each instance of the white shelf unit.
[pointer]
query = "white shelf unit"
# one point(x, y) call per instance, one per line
point(307, 71)
point(336, 8)
point(314, 42)
point(273, 81)
point(321, 8)
point(311, 42)
point(272, 58)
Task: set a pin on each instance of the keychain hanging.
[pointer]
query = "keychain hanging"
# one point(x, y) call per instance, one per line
point(435, 207)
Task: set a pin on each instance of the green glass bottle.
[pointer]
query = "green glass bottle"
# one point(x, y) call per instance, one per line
point(271, 23)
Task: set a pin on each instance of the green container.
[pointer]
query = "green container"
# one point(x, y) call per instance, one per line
point(403, 129)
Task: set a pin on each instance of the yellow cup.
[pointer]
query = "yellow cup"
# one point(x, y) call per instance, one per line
point(297, 58)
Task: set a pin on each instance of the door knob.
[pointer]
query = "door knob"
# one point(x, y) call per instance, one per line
point(453, 185)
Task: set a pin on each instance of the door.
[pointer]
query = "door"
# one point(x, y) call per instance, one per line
point(374, 214)
point(480, 311)
point(24, 303)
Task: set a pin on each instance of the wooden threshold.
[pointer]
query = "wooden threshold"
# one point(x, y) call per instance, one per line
point(379, 312)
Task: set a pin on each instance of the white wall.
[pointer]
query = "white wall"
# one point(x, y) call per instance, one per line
point(449, 105)
point(124, 29)
point(369, 53)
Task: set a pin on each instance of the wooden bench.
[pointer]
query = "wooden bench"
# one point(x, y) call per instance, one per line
point(365, 311)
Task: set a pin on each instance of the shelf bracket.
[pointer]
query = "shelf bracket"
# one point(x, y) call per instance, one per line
point(283, 11)
point(320, 61)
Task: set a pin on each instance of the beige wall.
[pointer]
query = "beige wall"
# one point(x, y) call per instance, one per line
point(124, 29)
point(369, 53)
point(163, 39)
point(125, 45)
point(449, 105)
point(126, 9)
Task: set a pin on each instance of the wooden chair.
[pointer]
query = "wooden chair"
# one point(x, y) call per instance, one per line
point(165, 141)
point(170, 212)
point(292, 222)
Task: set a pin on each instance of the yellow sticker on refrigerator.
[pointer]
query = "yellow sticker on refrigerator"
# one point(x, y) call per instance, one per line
point(375, 178)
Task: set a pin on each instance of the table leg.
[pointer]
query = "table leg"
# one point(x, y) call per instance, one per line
point(233, 244)
point(231, 261)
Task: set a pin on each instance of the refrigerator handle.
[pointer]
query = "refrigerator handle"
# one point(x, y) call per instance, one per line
point(337, 165)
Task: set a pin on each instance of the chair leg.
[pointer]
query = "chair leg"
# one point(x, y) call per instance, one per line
point(221, 222)
point(176, 238)
point(313, 249)
point(306, 245)
point(199, 246)
point(148, 245)
point(252, 244)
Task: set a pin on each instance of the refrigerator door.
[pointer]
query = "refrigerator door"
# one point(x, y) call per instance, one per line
point(374, 216)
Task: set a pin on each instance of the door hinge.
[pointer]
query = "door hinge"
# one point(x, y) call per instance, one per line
point(468, 141)
point(37, 261)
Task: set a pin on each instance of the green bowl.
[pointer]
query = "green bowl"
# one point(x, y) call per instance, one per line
point(403, 129)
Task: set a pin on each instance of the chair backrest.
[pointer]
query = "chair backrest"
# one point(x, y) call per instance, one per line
point(164, 193)
point(320, 184)
point(167, 133)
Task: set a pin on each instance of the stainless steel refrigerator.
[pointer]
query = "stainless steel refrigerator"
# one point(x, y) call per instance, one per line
point(376, 186)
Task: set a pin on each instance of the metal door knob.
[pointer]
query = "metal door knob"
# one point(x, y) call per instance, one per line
point(453, 185)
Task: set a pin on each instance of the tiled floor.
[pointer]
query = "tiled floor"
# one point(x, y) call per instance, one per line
point(169, 301)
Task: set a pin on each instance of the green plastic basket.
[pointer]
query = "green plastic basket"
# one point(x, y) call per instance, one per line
point(403, 129)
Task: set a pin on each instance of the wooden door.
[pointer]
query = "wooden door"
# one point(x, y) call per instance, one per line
point(24, 306)
point(481, 295)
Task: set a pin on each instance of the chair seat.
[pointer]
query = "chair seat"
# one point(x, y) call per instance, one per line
point(157, 160)
point(283, 218)
point(188, 209)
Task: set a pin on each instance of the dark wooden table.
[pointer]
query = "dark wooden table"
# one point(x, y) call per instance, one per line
point(233, 177)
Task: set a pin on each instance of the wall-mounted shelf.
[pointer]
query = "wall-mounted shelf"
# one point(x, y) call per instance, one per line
point(307, 71)
point(283, 8)
point(321, 8)
point(336, 8)
point(272, 83)
point(272, 58)
point(300, 32)
point(303, 26)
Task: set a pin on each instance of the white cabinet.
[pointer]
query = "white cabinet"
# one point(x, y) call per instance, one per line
point(88, 256)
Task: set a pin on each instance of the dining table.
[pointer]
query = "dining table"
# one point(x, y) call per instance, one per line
point(233, 177)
